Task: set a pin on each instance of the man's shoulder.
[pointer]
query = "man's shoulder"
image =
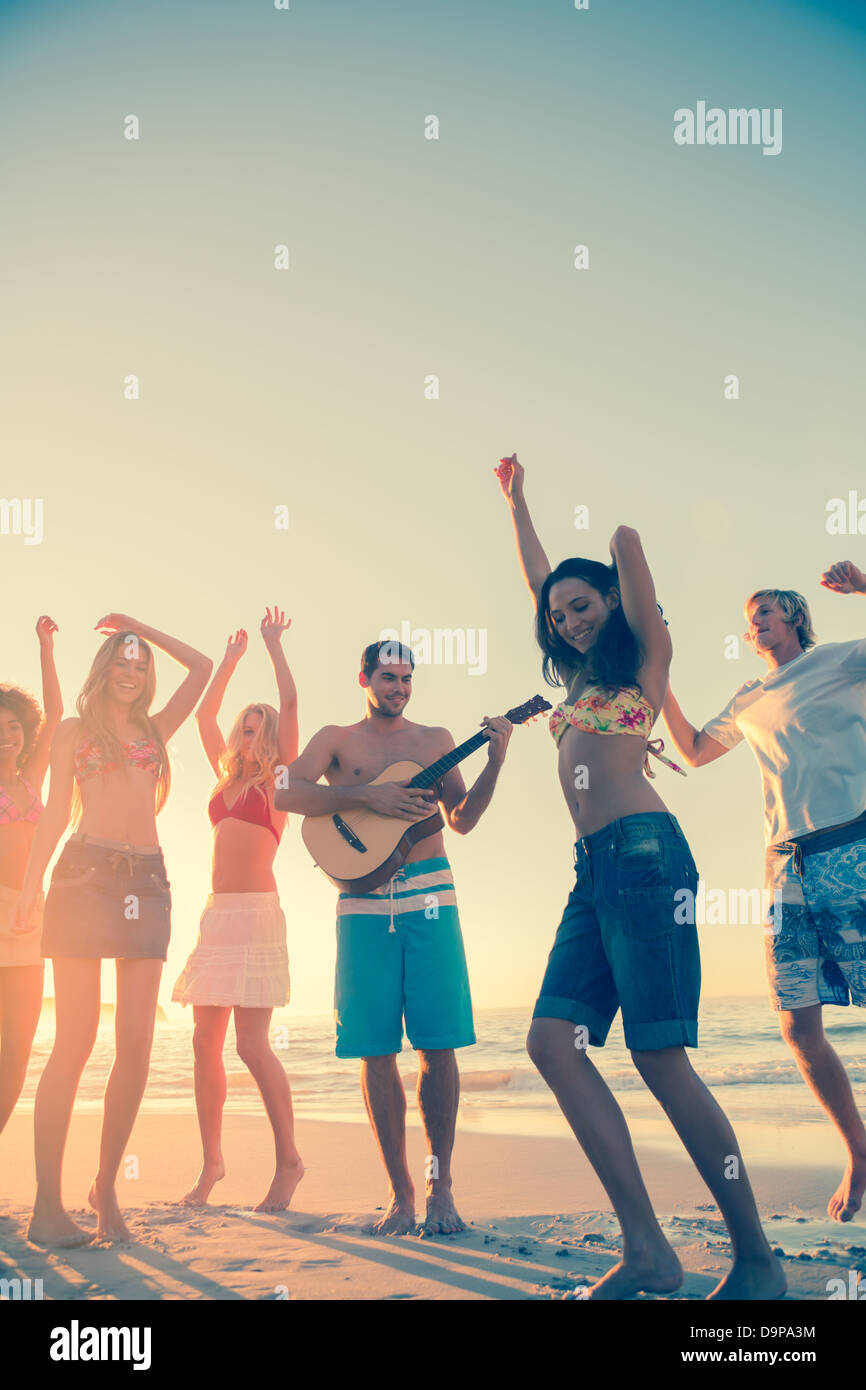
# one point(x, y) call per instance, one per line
point(433, 734)
point(334, 735)
point(838, 651)
point(746, 689)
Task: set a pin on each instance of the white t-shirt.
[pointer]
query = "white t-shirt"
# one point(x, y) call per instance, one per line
point(805, 722)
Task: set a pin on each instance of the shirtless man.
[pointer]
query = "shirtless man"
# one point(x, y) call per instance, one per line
point(395, 955)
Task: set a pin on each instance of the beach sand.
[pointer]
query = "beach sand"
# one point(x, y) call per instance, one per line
point(540, 1228)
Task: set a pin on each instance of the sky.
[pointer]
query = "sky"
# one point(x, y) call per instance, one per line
point(414, 260)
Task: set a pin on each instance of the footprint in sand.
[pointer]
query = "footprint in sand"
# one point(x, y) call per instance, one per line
point(310, 1264)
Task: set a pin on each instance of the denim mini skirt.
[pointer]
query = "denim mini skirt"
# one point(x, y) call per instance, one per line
point(107, 900)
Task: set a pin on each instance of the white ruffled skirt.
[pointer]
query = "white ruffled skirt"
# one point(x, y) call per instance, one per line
point(240, 956)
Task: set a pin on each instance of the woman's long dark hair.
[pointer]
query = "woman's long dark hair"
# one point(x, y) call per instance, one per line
point(616, 655)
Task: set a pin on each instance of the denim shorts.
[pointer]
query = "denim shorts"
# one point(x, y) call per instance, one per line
point(107, 900)
point(626, 940)
point(816, 938)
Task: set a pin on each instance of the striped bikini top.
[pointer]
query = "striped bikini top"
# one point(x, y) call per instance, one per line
point(88, 761)
point(10, 811)
point(626, 711)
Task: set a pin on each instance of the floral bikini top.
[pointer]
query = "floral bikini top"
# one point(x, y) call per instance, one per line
point(626, 711)
point(10, 811)
point(88, 760)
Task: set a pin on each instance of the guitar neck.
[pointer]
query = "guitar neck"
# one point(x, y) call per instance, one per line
point(431, 774)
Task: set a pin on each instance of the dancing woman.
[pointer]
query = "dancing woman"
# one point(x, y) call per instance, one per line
point(25, 742)
point(240, 960)
point(625, 941)
point(109, 899)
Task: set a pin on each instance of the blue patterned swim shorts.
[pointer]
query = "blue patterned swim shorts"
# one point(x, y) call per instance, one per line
point(816, 926)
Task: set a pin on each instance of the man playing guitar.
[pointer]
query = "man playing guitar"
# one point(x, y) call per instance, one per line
point(399, 947)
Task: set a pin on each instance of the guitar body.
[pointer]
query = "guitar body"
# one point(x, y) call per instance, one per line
point(360, 850)
point(382, 842)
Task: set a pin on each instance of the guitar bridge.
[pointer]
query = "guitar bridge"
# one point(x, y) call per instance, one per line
point(349, 835)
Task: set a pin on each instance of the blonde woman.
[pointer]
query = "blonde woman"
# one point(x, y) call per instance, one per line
point(109, 899)
point(240, 960)
point(25, 741)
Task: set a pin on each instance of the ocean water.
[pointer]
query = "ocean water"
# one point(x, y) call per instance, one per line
point(741, 1057)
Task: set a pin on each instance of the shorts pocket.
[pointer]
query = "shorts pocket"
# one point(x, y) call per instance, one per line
point(157, 883)
point(70, 875)
point(638, 871)
point(152, 892)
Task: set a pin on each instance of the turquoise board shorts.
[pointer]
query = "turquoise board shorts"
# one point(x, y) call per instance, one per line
point(400, 952)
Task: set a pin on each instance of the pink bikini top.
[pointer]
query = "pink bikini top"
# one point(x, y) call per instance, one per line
point(9, 810)
point(254, 810)
point(88, 760)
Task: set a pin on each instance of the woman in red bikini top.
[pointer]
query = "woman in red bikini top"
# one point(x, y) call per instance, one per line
point(25, 740)
point(240, 961)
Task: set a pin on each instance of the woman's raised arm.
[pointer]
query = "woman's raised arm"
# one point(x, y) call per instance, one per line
point(534, 564)
point(52, 703)
point(199, 666)
point(206, 716)
point(272, 628)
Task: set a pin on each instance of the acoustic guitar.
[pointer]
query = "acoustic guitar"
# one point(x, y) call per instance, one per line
point(359, 850)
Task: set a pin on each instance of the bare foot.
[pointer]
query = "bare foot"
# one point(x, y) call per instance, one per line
point(58, 1230)
point(442, 1218)
point(849, 1194)
point(658, 1271)
point(398, 1219)
point(752, 1279)
point(280, 1192)
point(200, 1191)
point(110, 1224)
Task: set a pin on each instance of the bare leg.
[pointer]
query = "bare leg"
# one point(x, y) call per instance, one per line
point(135, 1011)
point(711, 1143)
point(210, 1096)
point(648, 1262)
point(76, 1003)
point(826, 1077)
point(20, 1004)
point(254, 1049)
point(438, 1096)
point(385, 1100)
